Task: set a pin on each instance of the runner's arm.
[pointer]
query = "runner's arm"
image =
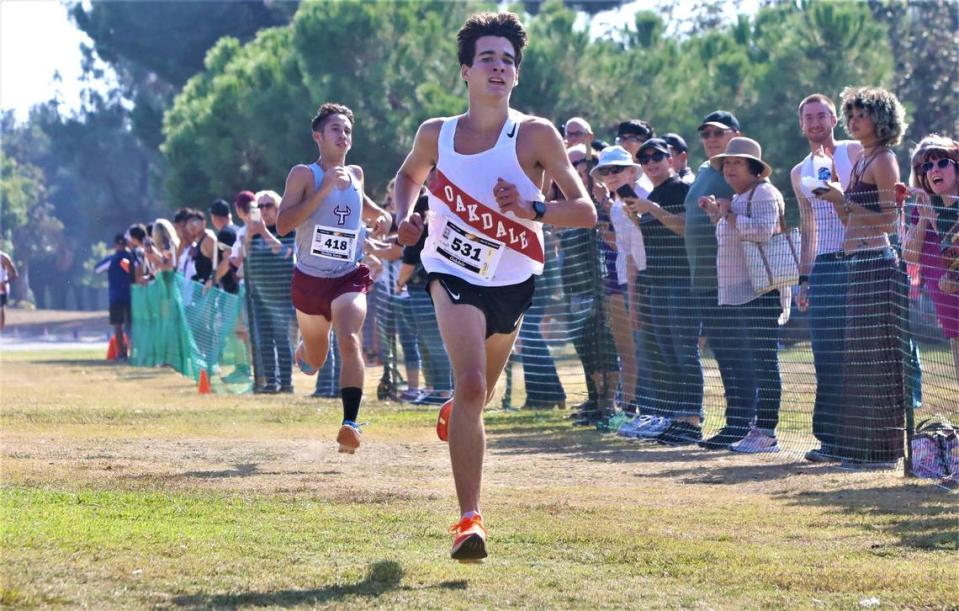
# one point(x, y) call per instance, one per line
point(416, 167)
point(295, 207)
point(577, 210)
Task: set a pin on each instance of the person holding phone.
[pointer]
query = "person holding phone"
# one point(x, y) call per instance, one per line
point(674, 324)
point(822, 269)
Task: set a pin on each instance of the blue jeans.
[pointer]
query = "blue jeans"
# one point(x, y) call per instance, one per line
point(827, 326)
point(270, 332)
point(391, 325)
point(675, 327)
point(761, 320)
point(420, 317)
point(543, 386)
point(728, 340)
point(328, 377)
point(650, 394)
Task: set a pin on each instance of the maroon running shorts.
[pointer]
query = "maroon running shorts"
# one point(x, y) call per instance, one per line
point(312, 295)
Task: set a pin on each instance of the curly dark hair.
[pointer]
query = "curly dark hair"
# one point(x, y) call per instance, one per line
point(506, 25)
point(883, 107)
point(328, 110)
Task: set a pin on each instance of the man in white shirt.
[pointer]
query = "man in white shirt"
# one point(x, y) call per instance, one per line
point(822, 280)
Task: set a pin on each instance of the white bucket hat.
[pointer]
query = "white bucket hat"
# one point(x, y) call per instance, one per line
point(614, 155)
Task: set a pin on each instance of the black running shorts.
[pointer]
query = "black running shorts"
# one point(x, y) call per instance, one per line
point(503, 306)
point(119, 313)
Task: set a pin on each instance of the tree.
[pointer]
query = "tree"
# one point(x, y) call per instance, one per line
point(924, 40)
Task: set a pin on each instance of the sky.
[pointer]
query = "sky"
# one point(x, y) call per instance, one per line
point(38, 40)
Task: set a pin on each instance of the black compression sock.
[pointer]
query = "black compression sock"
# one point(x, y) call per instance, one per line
point(351, 402)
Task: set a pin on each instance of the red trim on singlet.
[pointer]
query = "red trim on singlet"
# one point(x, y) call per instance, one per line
point(485, 220)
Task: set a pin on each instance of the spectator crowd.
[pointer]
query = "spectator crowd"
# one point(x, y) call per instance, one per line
point(682, 259)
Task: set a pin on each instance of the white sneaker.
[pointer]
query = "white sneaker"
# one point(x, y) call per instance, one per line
point(756, 441)
point(628, 428)
point(653, 428)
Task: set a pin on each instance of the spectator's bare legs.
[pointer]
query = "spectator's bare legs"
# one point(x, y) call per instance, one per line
point(315, 330)
point(349, 312)
point(625, 345)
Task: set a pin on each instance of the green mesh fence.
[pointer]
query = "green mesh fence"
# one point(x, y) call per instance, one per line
point(876, 329)
point(181, 324)
point(883, 357)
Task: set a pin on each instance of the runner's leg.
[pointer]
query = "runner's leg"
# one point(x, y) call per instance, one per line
point(463, 328)
point(349, 312)
point(315, 330)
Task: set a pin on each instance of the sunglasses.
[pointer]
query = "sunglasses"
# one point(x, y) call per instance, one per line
point(706, 134)
point(575, 134)
point(942, 164)
point(657, 157)
point(630, 138)
point(610, 170)
point(584, 161)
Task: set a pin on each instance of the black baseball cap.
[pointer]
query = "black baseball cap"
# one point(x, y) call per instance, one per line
point(721, 118)
point(656, 144)
point(676, 141)
point(635, 126)
point(220, 208)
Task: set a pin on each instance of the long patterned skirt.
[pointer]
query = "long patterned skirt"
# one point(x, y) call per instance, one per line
point(871, 425)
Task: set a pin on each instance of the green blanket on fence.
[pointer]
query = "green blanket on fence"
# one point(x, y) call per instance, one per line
point(181, 324)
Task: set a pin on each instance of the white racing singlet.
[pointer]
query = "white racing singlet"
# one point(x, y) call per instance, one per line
point(468, 236)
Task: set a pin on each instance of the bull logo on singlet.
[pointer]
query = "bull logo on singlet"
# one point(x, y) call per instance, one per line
point(342, 213)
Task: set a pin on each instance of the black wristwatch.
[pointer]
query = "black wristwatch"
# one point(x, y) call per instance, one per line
point(540, 209)
point(803, 279)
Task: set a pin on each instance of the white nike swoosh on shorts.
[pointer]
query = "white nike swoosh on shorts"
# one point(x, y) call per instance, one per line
point(455, 296)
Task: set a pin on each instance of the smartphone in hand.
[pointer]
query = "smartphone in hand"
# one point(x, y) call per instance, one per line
point(626, 191)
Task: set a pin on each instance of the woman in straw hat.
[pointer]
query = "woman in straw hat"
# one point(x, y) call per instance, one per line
point(753, 215)
point(871, 423)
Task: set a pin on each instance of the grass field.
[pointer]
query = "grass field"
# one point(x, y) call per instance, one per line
point(122, 488)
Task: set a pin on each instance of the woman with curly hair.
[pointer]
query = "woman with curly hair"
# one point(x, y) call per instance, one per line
point(871, 423)
point(933, 237)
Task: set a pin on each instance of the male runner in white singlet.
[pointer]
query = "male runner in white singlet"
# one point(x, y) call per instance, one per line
point(325, 203)
point(485, 239)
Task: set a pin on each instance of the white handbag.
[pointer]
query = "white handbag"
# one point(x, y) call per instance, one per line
point(773, 264)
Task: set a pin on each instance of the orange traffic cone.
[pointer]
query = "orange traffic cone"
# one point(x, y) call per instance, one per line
point(204, 386)
point(112, 349)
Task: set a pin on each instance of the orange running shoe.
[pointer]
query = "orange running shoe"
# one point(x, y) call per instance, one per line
point(443, 421)
point(349, 438)
point(469, 539)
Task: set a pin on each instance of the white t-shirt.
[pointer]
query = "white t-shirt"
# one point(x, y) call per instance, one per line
point(236, 251)
point(629, 239)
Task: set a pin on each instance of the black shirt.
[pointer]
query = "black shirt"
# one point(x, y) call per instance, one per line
point(666, 262)
point(227, 237)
